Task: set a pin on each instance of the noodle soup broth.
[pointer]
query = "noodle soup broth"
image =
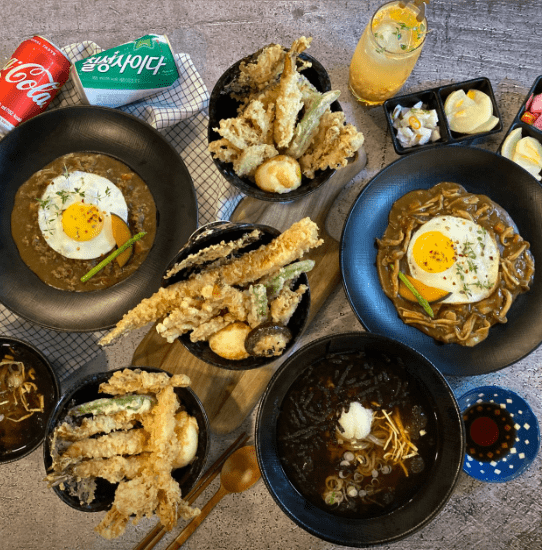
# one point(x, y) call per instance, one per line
point(357, 477)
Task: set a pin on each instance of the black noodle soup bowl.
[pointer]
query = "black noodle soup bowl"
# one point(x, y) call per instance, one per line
point(214, 234)
point(87, 390)
point(25, 375)
point(294, 416)
point(222, 106)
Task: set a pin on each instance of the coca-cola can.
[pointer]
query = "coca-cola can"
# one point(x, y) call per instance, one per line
point(30, 80)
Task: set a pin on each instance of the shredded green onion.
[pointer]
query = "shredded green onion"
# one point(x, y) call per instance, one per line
point(112, 256)
point(421, 300)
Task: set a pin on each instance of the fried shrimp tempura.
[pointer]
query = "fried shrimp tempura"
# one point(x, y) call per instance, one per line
point(102, 423)
point(291, 245)
point(142, 382)
point(215, 252)
point(131, 442)
point(290, 99)
point(140, 455)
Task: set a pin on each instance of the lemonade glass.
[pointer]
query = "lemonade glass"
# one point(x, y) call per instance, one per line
point(386, 52)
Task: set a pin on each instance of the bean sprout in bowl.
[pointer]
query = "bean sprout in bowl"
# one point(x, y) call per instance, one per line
point(359, 439)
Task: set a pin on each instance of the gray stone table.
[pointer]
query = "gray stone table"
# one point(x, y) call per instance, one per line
point(498, 39)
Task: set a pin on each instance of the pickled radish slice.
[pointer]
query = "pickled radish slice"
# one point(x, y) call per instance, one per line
point(470, 113)
point(509, 145)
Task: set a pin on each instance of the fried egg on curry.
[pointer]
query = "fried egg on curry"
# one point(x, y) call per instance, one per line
point(455, 255)
point(74, 214)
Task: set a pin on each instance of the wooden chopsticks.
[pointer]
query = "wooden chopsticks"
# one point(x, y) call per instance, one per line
point(158, 531)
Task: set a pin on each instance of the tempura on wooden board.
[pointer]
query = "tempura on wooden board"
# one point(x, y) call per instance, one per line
point(250, 288)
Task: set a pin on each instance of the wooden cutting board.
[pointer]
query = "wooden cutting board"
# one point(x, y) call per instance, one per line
point(229, 396)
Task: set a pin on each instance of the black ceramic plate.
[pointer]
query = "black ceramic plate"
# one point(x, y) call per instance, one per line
point(222, 106)
point(42, 139)
point(480, 172)
point(31, 430)
point(232, 232)
point(87, 390)
point(430, 498)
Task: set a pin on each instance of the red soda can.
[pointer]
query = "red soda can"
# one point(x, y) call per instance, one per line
point(30, 80)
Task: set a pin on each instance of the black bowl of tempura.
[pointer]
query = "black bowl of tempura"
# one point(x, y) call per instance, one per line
point(359, 439)
point(255, 289)
point(99, 439)
point(271, 117)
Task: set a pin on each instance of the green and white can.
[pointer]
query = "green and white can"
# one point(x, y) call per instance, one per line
point(129, 72)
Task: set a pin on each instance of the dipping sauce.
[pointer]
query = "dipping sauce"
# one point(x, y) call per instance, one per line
point(490, 431)
point(49, 234)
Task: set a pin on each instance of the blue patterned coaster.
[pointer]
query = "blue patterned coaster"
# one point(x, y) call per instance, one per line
point(527, 437)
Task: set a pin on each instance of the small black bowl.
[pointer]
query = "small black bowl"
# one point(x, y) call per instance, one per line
point(87, 390)
point(434, 98)
point(446, 446)
point(229, 232)
point(18, 440)
point(222, 106)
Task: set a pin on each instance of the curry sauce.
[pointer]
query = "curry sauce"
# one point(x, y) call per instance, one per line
point(52, 267)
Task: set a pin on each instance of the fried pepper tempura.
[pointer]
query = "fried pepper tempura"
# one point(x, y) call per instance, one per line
point(140, 459)
point(283, 115)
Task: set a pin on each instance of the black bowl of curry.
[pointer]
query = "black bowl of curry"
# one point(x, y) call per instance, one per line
point(115, 146)
point(494, 197)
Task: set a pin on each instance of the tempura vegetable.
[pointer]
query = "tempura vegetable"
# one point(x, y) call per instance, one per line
point(219, 294)
point(283, 115)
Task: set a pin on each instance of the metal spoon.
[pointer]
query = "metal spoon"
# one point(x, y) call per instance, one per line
point(420, 4)
point(239, 473)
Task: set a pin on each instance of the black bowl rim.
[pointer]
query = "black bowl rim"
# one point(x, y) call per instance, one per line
point(56, 392)
point(385, 528)
point(303, 307)
point(99, 377)
point(240, 183)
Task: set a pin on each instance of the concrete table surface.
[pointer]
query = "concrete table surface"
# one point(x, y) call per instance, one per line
point(498, 39)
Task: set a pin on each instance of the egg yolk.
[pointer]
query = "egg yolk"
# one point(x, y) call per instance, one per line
point(434, 252)
point(82, 222)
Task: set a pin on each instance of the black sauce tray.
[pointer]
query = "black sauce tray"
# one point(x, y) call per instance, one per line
point(434, 98)
point(526, 129)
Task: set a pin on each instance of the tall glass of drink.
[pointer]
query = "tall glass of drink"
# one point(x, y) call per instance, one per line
point(387, 52)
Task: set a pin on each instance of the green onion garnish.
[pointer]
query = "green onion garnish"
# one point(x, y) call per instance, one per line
point(112, 256)
point(421, 300)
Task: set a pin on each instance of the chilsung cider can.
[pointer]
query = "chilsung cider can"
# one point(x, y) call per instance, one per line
point(129, 72)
